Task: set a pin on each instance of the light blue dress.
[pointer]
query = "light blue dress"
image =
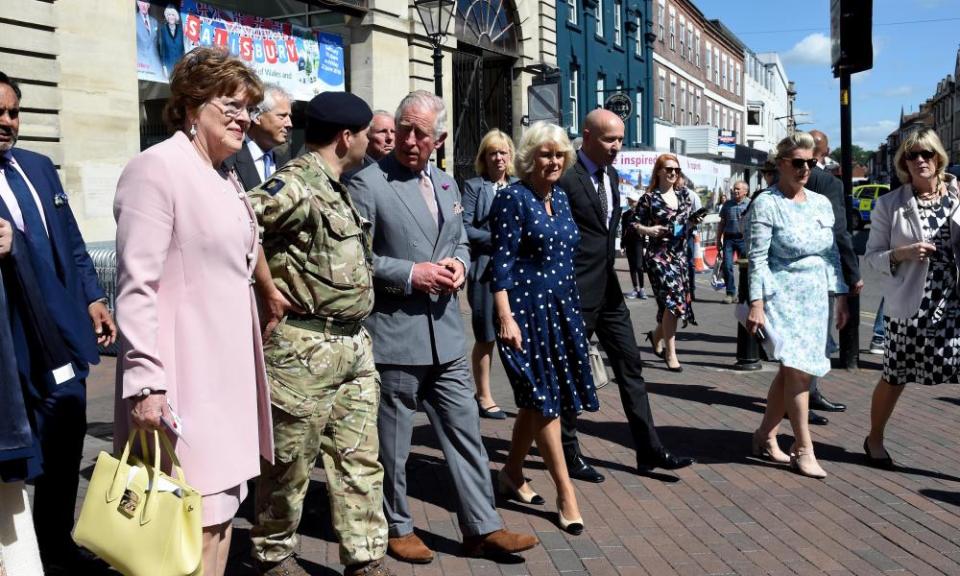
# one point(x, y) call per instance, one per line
point(794, 265)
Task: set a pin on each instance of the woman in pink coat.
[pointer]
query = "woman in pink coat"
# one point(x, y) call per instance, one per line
point(186, 246)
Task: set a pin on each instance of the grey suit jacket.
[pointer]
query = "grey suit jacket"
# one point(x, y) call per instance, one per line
point(410, 327)
point(478, 194)
point(895, 222)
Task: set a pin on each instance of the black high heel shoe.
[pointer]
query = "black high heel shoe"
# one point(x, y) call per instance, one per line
point(653, 345)
point(676, 368)
point(882, 462)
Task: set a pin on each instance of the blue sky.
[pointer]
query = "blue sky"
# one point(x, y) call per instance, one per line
point(908, 58)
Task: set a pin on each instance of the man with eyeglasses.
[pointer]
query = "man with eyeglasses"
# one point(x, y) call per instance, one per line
point(263, 152)
point(822, 182)
point(49, 243)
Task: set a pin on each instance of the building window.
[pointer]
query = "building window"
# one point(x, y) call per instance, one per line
point(617, 23)
point(696, 48)
point(638, 113)
point(663, 96)
point(572, 11)
point(598, 12)
point(716, 116)
point(723, 118)
point(754, 117)
point(709, 55)
point(683, 26)
point(696, 107)
point(736, 127)
point(600, 91)
point(716, 66)
point(689, 44)
point(723, 71)
point(690, 107)
point(673, 30)
point(574, 91)
point(736, 78)
point(683, 101)
point(638, 49)
point(729, 82)
point(659, 22)
point(673, 100)
point(709, 114)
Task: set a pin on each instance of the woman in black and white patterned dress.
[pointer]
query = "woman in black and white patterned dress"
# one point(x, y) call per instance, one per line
point(914, 242)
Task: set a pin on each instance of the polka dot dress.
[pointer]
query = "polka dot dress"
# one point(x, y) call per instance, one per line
point(925, 348)
point(533, 261)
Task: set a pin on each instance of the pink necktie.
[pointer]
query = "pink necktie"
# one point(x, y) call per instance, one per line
point(426, 190)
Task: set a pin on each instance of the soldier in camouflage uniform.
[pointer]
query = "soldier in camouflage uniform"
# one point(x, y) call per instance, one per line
point(315, 281)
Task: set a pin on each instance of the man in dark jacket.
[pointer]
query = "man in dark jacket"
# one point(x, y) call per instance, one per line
point(822, 182)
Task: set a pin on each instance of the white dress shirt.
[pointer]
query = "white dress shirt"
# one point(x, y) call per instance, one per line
point(11, 201)
point(257, 154)
point(592, 168)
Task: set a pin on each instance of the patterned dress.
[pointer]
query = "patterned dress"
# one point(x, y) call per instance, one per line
point(794, 265)
point(533, 262)
point(925, 348)
point(666, 257)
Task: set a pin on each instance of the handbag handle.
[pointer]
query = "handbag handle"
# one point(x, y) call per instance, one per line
point(118, 485)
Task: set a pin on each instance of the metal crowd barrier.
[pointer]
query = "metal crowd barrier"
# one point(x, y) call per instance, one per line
point(104, 256)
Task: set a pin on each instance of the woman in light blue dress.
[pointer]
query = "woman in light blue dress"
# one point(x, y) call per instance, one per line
point(794, 265)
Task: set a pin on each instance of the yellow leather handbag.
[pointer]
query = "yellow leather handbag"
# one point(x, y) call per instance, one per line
point(139, 520)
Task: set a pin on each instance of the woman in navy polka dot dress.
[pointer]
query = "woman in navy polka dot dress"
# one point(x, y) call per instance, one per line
point(541, 334)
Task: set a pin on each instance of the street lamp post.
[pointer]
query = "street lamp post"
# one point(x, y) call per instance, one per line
point(436, 15)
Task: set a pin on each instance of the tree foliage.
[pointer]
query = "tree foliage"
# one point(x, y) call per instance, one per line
point(860, 156)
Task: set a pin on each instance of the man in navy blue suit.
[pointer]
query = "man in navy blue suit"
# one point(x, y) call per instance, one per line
point(32, 200)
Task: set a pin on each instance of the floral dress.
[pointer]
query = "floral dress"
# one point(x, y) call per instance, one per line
point(925, 348)
point(533, 261)
point(666, 257)
point(794, 265)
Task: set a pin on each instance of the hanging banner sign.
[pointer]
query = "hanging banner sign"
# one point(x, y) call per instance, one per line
point(302, 62)
point(636, 167)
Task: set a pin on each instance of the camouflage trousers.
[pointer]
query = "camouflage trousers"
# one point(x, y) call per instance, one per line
point(325, 393)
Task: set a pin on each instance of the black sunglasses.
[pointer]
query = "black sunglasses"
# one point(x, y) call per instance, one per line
point(799, 163)
point(14, 113)
point(926, 154)
point(671, 170)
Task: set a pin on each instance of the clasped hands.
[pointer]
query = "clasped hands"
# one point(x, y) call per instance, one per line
point(443, 277)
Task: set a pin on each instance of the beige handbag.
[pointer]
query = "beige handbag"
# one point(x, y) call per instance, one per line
point(600, 376)
point(140, 520)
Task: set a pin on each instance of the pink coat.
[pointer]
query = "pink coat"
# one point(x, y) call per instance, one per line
point(186, 249)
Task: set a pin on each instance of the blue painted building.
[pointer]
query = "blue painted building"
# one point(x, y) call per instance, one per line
point(605, 46)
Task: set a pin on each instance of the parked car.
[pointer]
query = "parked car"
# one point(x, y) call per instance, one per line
point(862, 201)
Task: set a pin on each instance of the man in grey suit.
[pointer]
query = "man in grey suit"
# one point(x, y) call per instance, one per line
point(420, 256)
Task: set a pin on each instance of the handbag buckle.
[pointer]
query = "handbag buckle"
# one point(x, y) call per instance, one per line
point(128, 503)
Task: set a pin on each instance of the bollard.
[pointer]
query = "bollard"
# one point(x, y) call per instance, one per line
point(850, 335)
point(748, 351)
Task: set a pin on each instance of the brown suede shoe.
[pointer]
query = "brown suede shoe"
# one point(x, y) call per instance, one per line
point(498, 543)
point(289, 567)
point(409, 548)
point(374, 568)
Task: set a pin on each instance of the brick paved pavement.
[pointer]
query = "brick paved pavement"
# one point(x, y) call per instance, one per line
point(729, 514)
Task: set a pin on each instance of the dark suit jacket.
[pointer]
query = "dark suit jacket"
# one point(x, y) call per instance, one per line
point(596, 254)
point(68, 291)
point(242, 162)
point(822, 182)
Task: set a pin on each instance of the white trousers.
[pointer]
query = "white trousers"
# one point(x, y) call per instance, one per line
point(19, 555)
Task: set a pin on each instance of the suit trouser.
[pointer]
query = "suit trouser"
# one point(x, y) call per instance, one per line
point(446, 393)
point(324, 394)
point(61, 420)
point(611, 323)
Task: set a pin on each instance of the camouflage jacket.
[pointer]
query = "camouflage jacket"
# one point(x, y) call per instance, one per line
point(317, 245)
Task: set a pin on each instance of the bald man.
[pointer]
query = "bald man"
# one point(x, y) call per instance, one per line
point(822, 182)
point(592, 186)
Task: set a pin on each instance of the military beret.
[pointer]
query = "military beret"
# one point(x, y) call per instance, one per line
point(341, 109)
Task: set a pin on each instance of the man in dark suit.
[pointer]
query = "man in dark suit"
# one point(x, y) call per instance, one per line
point(381, 140)
point(420, 260)
point(822, 182)
point(592, 186)
point(263, 152)
point(33, 200)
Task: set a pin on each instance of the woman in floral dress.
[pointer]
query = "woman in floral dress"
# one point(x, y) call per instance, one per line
point(664, 215)
point(794, 265)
